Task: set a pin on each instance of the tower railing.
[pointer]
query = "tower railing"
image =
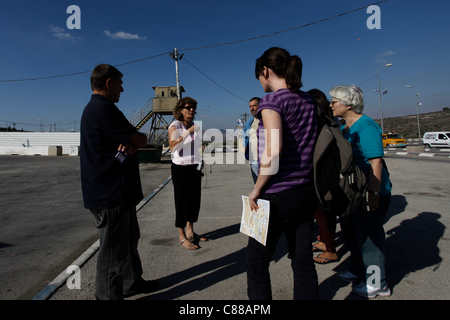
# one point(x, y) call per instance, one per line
point(140, 118)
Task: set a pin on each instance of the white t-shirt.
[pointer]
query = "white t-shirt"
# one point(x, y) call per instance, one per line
point(189, 153)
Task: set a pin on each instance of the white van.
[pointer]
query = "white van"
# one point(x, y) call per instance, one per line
point(436, 139)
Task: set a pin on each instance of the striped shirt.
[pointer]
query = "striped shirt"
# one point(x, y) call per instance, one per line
point(299, 120)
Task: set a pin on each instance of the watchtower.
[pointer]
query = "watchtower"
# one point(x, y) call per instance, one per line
point(162, 104)
point(165, 99)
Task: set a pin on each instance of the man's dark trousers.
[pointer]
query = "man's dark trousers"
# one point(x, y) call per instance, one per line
point(119, 268)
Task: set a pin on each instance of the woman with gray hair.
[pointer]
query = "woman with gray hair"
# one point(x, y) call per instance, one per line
point(363, 230)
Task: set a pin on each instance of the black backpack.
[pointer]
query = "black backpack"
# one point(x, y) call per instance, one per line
point(339, 183)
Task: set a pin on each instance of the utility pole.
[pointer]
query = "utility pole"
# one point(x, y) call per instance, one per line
point(175, 56)
point(417, 107)
point(245, 116)
point(41, 126)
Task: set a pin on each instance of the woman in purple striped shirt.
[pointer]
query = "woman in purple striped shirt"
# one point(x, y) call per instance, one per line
point(287, 135)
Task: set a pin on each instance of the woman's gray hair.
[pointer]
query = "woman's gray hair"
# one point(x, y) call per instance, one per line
point(350, 95)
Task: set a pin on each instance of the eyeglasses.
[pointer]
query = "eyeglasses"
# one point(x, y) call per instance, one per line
point(334, 101)
point(189, 107)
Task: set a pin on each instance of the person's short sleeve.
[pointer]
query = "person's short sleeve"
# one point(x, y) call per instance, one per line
point(269, 102)
point(370, 142)
point(113, 123)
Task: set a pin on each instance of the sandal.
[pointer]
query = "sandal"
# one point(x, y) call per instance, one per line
point(324, 260)
point(317, 248)
point(190, 247)
point(196, 237)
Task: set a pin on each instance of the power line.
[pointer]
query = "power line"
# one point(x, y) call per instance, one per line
point(50, 77)
point(213, 80)
point(27, 124)
point(204, 47)
point(287, 30)
point(82, 72)
point(60, 123)
point(359, 85)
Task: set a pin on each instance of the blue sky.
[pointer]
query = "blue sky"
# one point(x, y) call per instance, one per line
point(36, 43)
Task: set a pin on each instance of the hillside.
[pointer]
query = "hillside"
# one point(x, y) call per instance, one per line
point(407, 125)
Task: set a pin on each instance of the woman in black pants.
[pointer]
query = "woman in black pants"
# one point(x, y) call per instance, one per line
point(285, 147)
point(185, 145)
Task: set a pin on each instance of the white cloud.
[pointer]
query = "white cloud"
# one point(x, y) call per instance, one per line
point(59, 33)
point(379, 56)
point(385, 54)
point(123, 35)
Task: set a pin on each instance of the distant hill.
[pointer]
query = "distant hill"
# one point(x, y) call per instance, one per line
point(407, 125)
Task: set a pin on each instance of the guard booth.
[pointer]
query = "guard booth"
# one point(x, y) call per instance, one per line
point(163, 104)
point(154, 111)
point(165, 99)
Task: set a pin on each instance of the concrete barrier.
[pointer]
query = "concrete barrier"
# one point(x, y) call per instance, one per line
point(54, 151)
point(415, 149)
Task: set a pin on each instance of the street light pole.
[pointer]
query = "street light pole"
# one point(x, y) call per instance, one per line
point(379, 93)
point(417, 108)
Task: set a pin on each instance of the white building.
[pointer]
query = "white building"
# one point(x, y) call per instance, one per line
point(39, 143)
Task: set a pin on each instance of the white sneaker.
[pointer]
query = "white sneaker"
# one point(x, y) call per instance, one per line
point(367, 291)
point(347, 276)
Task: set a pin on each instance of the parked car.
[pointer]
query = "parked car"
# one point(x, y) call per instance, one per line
point(436, 139)
point(393, 140)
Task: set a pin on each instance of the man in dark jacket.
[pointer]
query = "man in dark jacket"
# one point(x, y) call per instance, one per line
point(112, 187)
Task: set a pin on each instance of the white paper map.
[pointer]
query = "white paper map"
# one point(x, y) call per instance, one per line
point(255, 224)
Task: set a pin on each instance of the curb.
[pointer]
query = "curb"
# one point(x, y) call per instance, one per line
point(59, 281)
point(151, 195)
point(428, 155)
point(63, 276)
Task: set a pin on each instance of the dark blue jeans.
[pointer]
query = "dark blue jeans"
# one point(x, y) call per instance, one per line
point(364, 235)
point(119, 268)
point(291, 211)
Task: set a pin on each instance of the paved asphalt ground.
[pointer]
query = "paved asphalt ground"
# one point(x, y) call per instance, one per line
point(44, 228)
point(43, 224)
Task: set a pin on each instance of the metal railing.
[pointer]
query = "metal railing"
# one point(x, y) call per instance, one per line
point(142, 115)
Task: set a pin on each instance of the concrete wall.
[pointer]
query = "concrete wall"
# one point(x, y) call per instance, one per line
point(42, 143)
